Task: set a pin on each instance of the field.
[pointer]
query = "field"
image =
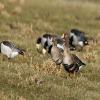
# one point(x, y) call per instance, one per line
point(35, 76)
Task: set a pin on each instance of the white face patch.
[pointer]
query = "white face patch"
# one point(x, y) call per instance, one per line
point(81, 43)
point(38, 46)
point(44, 51)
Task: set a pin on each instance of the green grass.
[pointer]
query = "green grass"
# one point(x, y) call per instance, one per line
point(36, 77)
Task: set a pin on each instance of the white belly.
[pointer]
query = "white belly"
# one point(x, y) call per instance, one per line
point(5, 50)
point(10, 53)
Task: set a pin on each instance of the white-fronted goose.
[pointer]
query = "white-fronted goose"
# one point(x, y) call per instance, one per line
point(56, 52)
point(70, 62)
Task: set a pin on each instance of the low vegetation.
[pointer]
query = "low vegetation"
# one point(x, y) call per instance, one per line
point(35, 76)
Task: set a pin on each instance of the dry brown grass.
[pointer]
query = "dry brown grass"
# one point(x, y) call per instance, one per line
point(37, 77)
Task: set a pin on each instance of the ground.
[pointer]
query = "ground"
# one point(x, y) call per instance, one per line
point(35, 76)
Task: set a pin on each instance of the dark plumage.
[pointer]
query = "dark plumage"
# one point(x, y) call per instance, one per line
point(38, 40)
point(8, 44)
point(75, 66)
point(47, 35)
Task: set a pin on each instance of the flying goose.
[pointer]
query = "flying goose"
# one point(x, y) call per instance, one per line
point(77, 38)
point(71, 62)
point(8, 49)
point(56, 52)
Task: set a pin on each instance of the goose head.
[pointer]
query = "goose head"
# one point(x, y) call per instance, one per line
point(66, 44)
point(66, 40)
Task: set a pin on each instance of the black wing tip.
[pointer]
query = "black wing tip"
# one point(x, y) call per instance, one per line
point(83, 64)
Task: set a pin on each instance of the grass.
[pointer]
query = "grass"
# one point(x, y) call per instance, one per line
point(36, 77)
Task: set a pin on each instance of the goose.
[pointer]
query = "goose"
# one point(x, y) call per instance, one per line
point(77, 38)
point(8, 49)
point(59, 43)
point(46, 42)
point(71, 62)
point(56, 53)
